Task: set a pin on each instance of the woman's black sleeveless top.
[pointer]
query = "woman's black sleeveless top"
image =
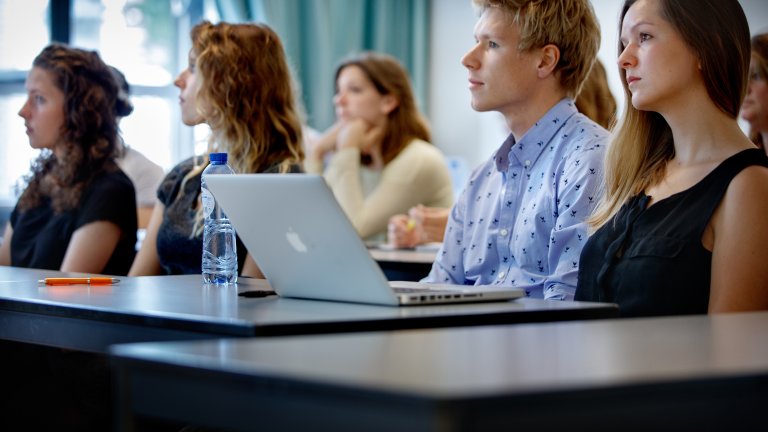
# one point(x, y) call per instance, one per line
point(650, 260)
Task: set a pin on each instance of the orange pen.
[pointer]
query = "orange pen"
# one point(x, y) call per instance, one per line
point(79, 280)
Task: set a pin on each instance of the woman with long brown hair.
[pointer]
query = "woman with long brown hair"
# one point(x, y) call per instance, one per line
point(238, 82)
point(78, 210)
point(681, 228)
point(380, 161)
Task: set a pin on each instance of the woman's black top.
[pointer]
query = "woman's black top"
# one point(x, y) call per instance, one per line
point(41, 236)
point(650, 260)
point(178, 251)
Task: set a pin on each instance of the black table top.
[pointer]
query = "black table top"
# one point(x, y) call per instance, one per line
point(653, 372)
point(185, 304)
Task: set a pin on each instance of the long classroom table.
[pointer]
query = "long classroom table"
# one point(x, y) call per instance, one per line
point(59, 335)
point(675, 373)
point(157, 308)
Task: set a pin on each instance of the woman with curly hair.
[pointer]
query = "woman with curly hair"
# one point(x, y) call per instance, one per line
point(78, 210)
point(238, 82)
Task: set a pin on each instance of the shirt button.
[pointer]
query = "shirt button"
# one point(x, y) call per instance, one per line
point(501, 275)
point(504, 232)
point(527, 163)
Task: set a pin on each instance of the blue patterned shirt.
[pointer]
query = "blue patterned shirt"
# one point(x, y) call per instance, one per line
point(520, 220)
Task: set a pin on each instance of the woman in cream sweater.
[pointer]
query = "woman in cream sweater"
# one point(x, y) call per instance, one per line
point(377, 158)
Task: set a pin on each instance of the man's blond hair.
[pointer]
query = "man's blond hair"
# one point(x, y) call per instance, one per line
point(571, 25)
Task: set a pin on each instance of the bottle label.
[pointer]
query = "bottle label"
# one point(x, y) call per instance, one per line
point(208, 202)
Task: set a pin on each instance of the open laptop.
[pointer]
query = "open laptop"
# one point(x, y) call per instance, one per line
point(307, 248)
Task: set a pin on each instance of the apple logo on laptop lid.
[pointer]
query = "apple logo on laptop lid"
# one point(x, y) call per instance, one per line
point(295, 240)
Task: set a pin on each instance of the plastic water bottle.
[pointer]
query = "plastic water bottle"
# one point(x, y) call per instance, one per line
point(219, 245)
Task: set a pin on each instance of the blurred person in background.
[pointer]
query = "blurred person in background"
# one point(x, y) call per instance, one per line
point(380, 160)
point(754, 109)
point(145, 174)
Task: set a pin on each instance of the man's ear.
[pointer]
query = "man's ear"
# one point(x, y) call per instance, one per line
point(549, 57)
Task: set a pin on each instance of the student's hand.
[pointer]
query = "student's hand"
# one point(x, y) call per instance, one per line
point(326, 143)
point(402, 232)
point(421, 225)
point(352, 134)
point(357, 133)
point(251, 269)
point(147, 262)
point(431, 221)
point(5, 247)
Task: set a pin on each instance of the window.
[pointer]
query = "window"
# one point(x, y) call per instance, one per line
point(148, 40)
point(28, 18)
point(20, 17)
point(140, 39)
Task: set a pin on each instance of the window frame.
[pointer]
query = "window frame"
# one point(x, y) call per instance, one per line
point(60, 19)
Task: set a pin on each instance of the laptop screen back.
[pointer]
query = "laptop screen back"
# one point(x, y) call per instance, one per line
point(300, 237)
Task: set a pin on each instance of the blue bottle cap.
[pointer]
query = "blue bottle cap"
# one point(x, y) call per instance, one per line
point(218, 157)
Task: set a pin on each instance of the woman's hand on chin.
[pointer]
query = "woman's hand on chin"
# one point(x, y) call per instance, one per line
point(326, 143)
point(352, 134)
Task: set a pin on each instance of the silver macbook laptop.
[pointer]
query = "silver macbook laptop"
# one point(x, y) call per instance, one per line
point(307, 248)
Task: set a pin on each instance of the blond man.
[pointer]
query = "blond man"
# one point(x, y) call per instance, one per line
point(520, 220)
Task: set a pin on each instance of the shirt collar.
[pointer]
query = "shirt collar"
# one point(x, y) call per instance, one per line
point(531, 145)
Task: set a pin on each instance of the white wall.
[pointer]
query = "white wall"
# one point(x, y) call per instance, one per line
point(460, 131)
point(456, 128)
